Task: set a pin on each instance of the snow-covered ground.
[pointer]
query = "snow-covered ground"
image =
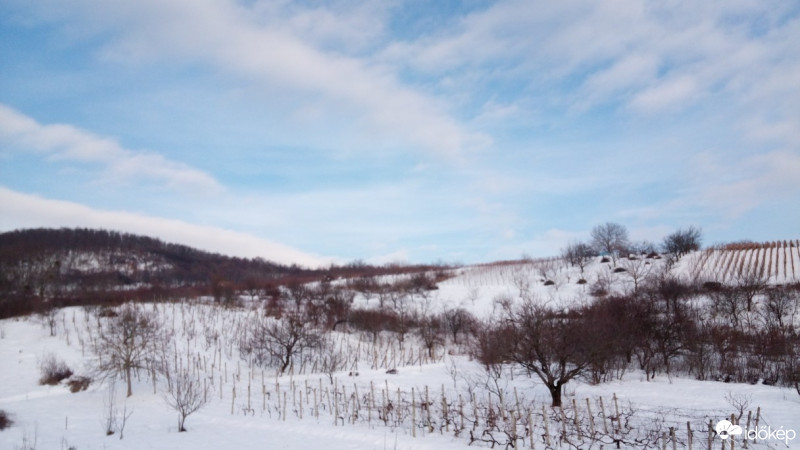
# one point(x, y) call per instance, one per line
point(444, 401)
point(54, 417)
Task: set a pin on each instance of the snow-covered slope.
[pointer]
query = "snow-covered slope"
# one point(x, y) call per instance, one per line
point(251, 408)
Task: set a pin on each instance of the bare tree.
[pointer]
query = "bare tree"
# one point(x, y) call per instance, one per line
point(458, 321)
point(277, 342)
point(548, 343)
point(780, 308)
point(127, 342)
point(332, 358)
point(187, 396)
point(682, 242)
point(430, 332)
point(611, 238)
point(750, 282)
point(578, 254)
point(637, 269)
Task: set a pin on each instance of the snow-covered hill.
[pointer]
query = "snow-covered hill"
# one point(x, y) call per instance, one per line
point(377, 389)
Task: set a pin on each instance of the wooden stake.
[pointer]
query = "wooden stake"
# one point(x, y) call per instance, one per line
point(758, 410)
point(530, 428)
point(546, 427)
point(233, 398)
point(710, 434)
point(428, 408)
point(413, 414)
point(603, 415)
point(575, 419)
point(749, 413)
point(672, 438)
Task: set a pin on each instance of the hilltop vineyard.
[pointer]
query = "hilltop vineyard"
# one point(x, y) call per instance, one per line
point(775, 262)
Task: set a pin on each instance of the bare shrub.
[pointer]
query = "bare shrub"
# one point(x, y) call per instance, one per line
point(78, 384)
point(114, 419)
point(53, 370)
point(373, 321)
point(187, 396)
point(5, 420)
point(739, 402)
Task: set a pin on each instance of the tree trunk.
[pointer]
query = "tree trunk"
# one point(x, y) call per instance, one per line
point(128, 380)
point(555, 393)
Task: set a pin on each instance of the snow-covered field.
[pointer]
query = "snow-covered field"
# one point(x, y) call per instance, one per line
point(440, 401)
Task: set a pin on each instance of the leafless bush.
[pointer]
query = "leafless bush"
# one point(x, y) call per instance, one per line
point(114, 420)
point(77, 384)
point(28, 442)
point(53, 370)
point(187, 396)
point(5, 420)
point(739, 402)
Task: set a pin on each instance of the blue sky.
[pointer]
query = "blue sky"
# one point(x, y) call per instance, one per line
point(457, 131)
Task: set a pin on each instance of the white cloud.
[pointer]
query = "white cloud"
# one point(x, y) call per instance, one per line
point(651, 56)
point(19, 210)
point(668, 94)
point(255, 44)
point(66, 143)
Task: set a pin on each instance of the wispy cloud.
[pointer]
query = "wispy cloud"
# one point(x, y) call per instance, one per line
point(255, 44)
point(349, 126)
point(65, 143)
point(646, 55)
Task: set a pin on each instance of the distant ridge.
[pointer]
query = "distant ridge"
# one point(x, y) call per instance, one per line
point(72, 266)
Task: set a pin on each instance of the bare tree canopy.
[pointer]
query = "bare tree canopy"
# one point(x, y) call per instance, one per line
point(578, 254)
point(127, 342)
point(277, 342)
point(611, 238)
point(548, 343)
point(187, 396)
point(683, 241)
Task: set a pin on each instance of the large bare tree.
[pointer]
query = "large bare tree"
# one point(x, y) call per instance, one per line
point(611, 238)
point(127, 342)
point(277, 342)
point(548, 343)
